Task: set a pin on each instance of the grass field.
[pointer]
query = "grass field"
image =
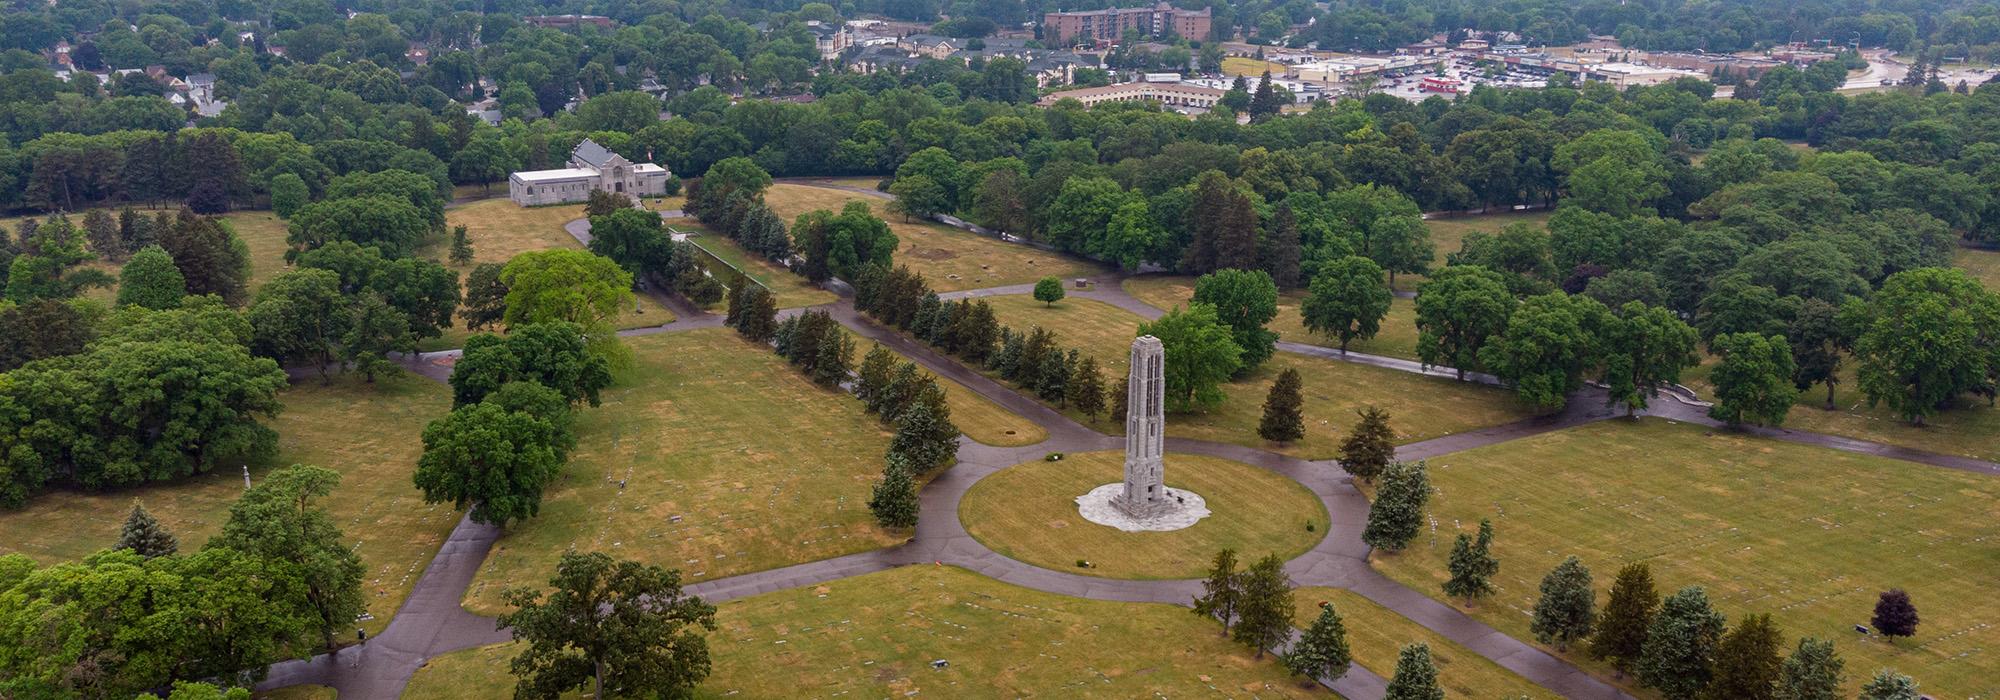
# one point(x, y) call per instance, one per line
point(1983, 264)
point(876, 635)
point(1448, 234)
point(264, 234)
point(299, 692)
point(977, 417)
point(1028, 512)
point(792, 291)
point(950, 259)
point(1970, 428)
point(1806, 534)
point(370, 434)
point(1376, 635)
point(1397, 338)
point(1246, 66)
point(712, 456)
point(1419, 407)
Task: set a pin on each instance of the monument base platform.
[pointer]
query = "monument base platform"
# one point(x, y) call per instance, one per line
point(1180, 509)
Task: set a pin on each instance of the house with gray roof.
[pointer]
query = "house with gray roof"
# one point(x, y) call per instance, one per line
point(590, 167)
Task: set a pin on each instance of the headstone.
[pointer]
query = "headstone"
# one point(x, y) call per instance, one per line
point(1145, 491)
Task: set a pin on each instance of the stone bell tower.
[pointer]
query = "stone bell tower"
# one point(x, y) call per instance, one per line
point(1145, 493)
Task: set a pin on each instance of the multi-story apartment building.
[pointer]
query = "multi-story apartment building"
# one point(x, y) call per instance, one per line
point(1108, 25)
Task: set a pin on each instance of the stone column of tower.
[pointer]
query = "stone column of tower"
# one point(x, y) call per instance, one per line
point(1145, 492)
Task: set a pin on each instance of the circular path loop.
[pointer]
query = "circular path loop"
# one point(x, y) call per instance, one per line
point(431, 622)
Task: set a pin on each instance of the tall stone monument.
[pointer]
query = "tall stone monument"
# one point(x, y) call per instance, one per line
point(1145, 494)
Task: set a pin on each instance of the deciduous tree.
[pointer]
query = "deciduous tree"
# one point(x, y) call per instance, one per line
point(1347, 299)
point(151, 280)
point(1048, 290)
point(1201, 353)
point(1457, 310)
point(280, 520)
point(494, 457)
point(1753, 384)
point(611, 624)
point(1894, 615)
point(1244, 300)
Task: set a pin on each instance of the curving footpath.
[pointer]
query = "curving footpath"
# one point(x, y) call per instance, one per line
point(430, 622)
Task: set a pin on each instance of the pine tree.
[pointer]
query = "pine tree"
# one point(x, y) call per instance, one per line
point(1221, 590)
point(1264, 613)
point(1054, 383)
point(1007, 361)
point(1621, 633)
point(1121, 397)
point(1681, 644)
point(1746, 664)
point(835, 355)
point(759, 322)
point(1283, 420)
point(1472, 565)
point(1086, 388)
point(461, 247)
point(735, 307)
point(1281, 251)
point(1321, 651)
point(145, 536)
point(102, 232)
point(1567, 608)
point(895, 502)
point(1812, 672)
point(1894, 615)
point(1889, 685)
point(925, 434)
point(1416, 676)
point(873, 377)
point(1370, 447)
point(1397, 514)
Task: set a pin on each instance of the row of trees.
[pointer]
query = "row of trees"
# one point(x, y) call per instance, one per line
point(278, 581)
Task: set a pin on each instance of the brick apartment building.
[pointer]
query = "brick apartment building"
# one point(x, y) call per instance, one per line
point(1060, 28)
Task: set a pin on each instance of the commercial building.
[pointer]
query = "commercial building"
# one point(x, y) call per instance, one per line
point(1178, 96)
point(591, 167)
point(1109, 25)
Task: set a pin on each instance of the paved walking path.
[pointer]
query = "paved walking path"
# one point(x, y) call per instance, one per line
point(431, 622)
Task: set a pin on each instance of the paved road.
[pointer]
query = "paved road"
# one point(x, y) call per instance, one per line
point(431, 622)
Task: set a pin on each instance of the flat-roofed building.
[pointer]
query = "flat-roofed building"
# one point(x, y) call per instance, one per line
point(1180, 96)
point(1110, 25)
point(590, 167)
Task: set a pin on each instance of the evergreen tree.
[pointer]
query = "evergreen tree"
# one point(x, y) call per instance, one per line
point(1747, 666)
point(1889, 685)
point(834, 357)
point(1006, 361)
point(1281, 253)
point(1121, 398)
point(102, 233)
point(894, 501)
point(906, 384)
point(1321, 651)
point(1894, 615)
point(1812, 672)
point(873, 378)
point(1472, 565)
point(461, 247)
point(1264, 613)
point(1621, 633)
point(733, 311)
point(1221, 590)
point(1567, 608)
point(1264, 103)
point(1054, 383)
point(146, 536)
point(1681, 645)
point(1397, 514)
point(1086, 388)
point(925, 434)
point(1283, 420)
point(759, 322)
point(1370, 447)
point(1416, 676)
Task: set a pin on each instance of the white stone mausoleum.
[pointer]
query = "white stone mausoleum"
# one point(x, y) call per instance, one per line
point(591, 167)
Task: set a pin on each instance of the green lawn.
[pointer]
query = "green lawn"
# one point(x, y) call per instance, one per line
point(711, 455)
point(1420, 407)
point(1983, 263)
point(1397, 337)
point(949, 258)
point(875, 636)
point(1448, 234)
point(1969, 428)
point(792, 291)
point(975, 415)
point(370, 434)
point(1806, 534)
point(1376, 636)
point(1028, 512)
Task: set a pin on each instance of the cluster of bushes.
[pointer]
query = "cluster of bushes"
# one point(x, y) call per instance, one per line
point(277, 582)
point(638, 241)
